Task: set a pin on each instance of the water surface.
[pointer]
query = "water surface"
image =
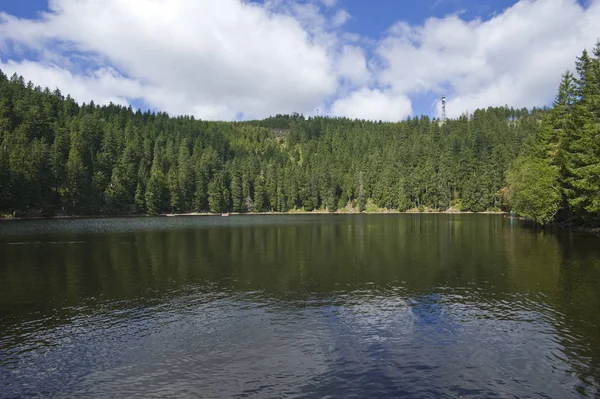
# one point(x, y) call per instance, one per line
point(298, 306)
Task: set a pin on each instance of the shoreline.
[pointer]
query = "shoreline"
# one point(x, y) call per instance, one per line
point(298, 212)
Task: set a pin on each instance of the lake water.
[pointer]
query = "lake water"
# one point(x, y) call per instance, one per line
point(298, 306)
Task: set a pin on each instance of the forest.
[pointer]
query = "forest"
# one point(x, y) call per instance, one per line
point(59, 157)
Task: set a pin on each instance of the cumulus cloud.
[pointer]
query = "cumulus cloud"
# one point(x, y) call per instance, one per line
point(372, 105)
point(103, 86)
point(352, 65)
point(212, 59)
point(515, 58)
point(221, 59)
point(340, 18)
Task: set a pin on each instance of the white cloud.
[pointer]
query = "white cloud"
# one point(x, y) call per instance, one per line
point(212, 59)
point(103, 86)
point(352, 65)
point(340, 18)
point(217, 59)
point(308, 14)
point(515, 58)
point(372, 104)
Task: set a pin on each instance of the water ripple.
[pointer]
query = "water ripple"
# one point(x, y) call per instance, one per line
point(263, 308)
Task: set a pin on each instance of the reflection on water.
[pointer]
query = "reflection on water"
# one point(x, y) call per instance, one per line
point(301, 306)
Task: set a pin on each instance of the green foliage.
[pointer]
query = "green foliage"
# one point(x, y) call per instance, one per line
point(557, 178)
point(271, 187)
point(5, 181)
point(237, 198)
point(79, 183)
point(361, 200)
point(371, 206)
point(89, 159)
point(260, 194)
point(155, 190)
point(534, 189)
point(218, 194)
point(139, 202)
point(117, 199)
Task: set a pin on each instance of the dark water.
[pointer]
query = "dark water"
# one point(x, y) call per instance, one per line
point(298, 306)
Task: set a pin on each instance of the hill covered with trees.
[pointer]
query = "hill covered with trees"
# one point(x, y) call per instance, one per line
point(57, 156)
point(557, 175)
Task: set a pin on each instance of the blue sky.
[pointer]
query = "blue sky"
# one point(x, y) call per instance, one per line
point(373, 18)
point(232, 59)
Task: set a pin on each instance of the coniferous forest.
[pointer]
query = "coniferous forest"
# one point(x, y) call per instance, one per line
point(61, 157)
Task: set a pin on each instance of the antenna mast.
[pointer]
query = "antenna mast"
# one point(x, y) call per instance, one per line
point(443, 109)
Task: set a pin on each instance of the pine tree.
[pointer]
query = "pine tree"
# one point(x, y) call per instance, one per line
point(185, 176)
point(534, 190)
point(79, 184)
point(260, 200)
point(216, 194)
point(117, 198)
point(5, 180)
point(59, 154)
point(109, 159)
point(237, 193)
point(155, 189)
point(154, 193)
point(362, 205)
point(583, 149)
point(402, 198)
point(139, 203)
point(271, 187)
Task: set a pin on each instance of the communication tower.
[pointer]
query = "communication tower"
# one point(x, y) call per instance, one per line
point(443, 109)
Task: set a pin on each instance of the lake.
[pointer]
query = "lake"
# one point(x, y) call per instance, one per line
point(372, 306)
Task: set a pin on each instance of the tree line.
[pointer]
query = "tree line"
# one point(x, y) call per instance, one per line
point(61, 157)
point(556, 178)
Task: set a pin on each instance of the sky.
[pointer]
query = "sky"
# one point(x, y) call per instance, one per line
point(249, 59)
